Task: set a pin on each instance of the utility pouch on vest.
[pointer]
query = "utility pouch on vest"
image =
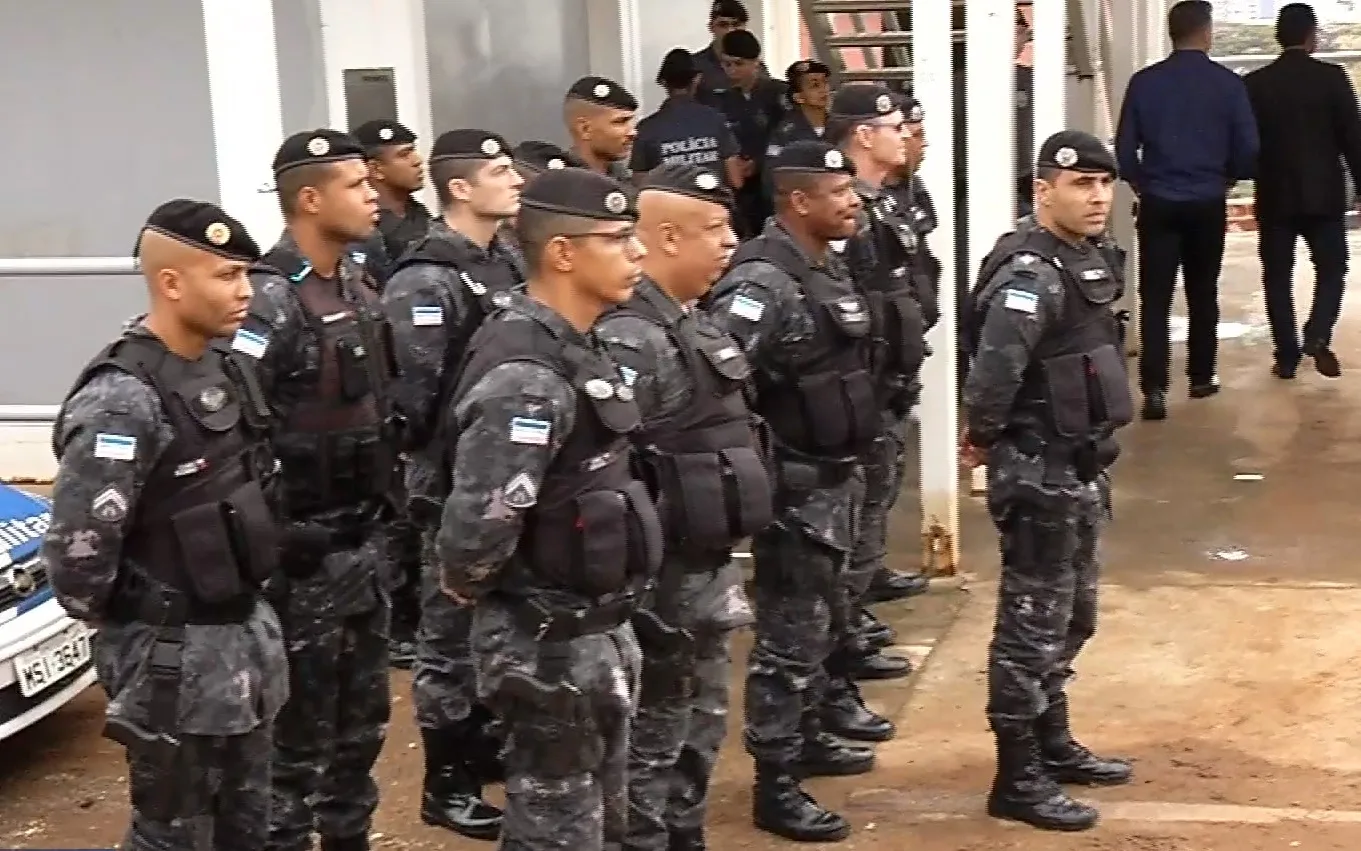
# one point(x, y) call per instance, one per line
point(721, 496)
point(352, 358)
point(1111, 382)
point(616, 540)
point(1066, 389)
point(205, 536)
point(253, 533)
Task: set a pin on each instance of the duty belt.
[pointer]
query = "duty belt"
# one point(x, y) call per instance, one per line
point(551, 625)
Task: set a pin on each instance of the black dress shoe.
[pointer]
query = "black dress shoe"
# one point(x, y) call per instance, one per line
point(1324, 360)
point(877, 666)
point(1155, 405)
point(889, 585)
point(1285, 367)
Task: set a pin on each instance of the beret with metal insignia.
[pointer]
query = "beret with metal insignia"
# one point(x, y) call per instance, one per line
point(578, 192)
point(374, 135)
point(692, 180)
point(862, 102)
point(540, 156)
point(311, 147)
point(603, 91)
point(911, 108)
point(469, 145)
point(812, 157)
point(1074, 150)
point(201, 225)
point(795, 74)
point(740, 44)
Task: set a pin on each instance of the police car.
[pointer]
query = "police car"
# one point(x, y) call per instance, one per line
point(45, 657)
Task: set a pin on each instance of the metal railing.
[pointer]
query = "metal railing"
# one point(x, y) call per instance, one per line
point(56, 267)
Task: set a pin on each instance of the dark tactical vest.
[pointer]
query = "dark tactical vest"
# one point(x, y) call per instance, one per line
point(1076, 381)
point(884, 261)
point(202, 526)
point(706, 460)
point(337, 445)
point(594, 531)
point(486, 297)
point(827, 408)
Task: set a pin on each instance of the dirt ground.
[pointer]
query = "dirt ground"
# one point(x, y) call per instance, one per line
point(1224, 664)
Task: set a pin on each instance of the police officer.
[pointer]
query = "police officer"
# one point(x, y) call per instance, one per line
point(442, 290)
point(805, 117)
point(682, 130)
point(804, 326)
point(162, 534)
point(600, 116)
point(397, 173)
point(545, 527)
point(725, 16)
point(754, 104)
point(1041, 328)
point(869, 126)
point(317, 332)
point(532, 158)
point(703, 457)
point(912, 200)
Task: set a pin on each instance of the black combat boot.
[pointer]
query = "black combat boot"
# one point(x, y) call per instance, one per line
point(1067, 760)
point(876, 666)
point(845, 714)
point(452, 796)
point(685, 840)
point(826, 756)
point(889, 585)
point(349, 843)
point(1024, 792)
point(781, 807)
point(875, 633)
point(485, 745)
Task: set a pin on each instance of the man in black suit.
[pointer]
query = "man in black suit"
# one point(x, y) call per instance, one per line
point(1308, 121)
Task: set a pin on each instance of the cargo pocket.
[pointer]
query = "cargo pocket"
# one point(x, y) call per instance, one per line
point(205, 542)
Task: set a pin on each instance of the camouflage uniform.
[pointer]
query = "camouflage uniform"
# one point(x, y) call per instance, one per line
point(391, 239)
point(427, 305)
point(802, 610)
point(332, 591)
point(557, 796)
point(232, 676)
point(676, 736)
point(1048, 497)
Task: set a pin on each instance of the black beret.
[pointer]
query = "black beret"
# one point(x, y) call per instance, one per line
point(540, 156)
point(578, 192)
point(795, 73)
point(469, 145)
point(740, 44)
point(862, 102)
point(381, 133)
point(692, 180)
point(1074, 150)
point(201, 225)
point(316, 146)
point(812, 157)
point(678, 69)
point(911, 108)
point(602, 91)
point(729, 9)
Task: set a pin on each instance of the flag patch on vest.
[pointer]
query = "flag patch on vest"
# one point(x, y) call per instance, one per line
point(424, 316)
point(529, 431)
point(250, 342)
point(1021, 300)
point(747, 308)
point(115, 447)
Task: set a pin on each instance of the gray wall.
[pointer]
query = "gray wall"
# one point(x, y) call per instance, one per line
point(106, 116)
point(302, 65)
point(504, 66)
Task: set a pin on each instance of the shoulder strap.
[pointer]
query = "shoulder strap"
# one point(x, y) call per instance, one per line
point(135, 354)
point(280, 261)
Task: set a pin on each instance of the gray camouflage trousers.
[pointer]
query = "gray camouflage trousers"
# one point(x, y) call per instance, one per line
point(329, 734)
point(884, 466)
point(223, 784)
point(444, 682)
point(1047, 596)
point(566, 778)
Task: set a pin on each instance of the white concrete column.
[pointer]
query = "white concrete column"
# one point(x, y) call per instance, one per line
point(243, 88)
point(1050, 28)
point(938, 413)
point(380, 34)
point(616, 44)
point(1127, 56)
point(779, 26)
point(990, 104)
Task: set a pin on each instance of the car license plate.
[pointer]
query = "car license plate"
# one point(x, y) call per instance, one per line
point(52, 660)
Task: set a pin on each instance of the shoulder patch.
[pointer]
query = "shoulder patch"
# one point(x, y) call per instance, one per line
point(520, 492)
point(747, 307)
point(250, 343)
point(1021, 301)
point(115, 447)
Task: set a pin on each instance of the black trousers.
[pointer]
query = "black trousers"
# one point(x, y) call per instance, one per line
point(1326, 238)
point(1186, 235)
